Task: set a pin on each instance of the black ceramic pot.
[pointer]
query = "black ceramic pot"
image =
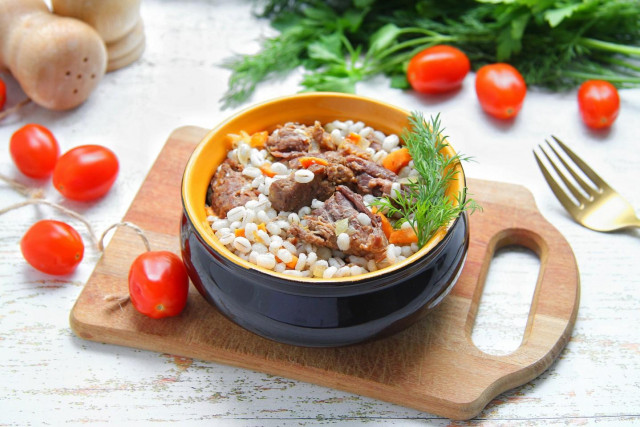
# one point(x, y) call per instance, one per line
point(308, 311)
point(325, 314)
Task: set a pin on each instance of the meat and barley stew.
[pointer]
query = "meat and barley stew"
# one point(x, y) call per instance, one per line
point(298, 200)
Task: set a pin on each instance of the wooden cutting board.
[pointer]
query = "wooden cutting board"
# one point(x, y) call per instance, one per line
point(432, 366)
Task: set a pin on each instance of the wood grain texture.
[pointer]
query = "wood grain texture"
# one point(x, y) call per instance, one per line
point(432, 366)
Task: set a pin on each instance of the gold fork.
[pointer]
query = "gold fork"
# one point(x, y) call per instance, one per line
point(596, 206)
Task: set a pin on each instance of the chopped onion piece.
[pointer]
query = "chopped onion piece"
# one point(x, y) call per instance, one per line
point(341, 225)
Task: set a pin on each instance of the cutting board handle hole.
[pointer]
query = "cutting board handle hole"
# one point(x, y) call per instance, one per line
point(505, 299)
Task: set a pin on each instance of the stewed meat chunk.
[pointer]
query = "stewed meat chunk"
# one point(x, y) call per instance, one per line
point(371, 178)
point(291, 140)
point(290, 195)
point(364, 229)
point(229, 188)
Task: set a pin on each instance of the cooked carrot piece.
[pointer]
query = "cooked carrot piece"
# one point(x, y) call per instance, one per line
point(259, 139)
point(265, 168)
point(232, 140)
point(403, 236)
point(396, 160)
point(387, 228)
point(291, 265)
point(239, 232)
point(353, 138)
point(305, 161)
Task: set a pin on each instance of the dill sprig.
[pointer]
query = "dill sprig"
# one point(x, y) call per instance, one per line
point(423, 202)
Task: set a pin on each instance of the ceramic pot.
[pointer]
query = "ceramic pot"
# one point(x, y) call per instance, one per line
point(311, 311)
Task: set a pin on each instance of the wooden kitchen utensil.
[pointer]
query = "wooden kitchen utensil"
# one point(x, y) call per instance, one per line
point(117, 21)
point(57, 61)
point(432, 366)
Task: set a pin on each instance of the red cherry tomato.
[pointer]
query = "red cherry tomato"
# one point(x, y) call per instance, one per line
point(599, 103)
point(86, 172)
point(438, 69)
point(3, 93)
point(52, 247)
point(501, 90)
point(158, 284)
point(34, 150)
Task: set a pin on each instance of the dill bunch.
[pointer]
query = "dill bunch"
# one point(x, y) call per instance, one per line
point(556, 44)
point(423, 202)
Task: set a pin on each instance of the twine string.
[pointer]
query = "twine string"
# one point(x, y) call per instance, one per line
point(122, 300)
point(131, 225)
point(36, 197)
point(56, 206)
point(22, 189)
point(14, 109)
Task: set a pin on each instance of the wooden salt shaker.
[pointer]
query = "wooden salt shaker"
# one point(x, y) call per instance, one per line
point(58, 61)
point(117, 21)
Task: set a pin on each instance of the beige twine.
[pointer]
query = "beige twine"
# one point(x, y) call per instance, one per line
point(122, 299)
point(56, 206)
point(131, 225)
point(22, 189)
point(35, 197)
point(14, 109)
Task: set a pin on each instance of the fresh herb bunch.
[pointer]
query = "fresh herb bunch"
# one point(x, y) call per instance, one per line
point(554, 43)
point(423, 202)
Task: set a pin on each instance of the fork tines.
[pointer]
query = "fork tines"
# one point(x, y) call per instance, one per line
point(584, 191)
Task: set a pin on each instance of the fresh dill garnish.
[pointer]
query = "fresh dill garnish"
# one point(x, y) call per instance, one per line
point(554, 43)
point(423, 201)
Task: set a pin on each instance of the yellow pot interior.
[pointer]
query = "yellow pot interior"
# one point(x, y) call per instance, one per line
point(302, 108)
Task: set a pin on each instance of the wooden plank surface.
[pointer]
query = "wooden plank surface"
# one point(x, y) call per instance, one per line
point(432, 366)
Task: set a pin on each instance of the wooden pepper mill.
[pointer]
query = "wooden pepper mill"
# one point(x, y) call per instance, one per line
point(117, 21)
point(57, 61)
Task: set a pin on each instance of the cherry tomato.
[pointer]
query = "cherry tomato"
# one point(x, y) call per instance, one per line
point(599, 103)
point(34, 150)
point(501, 90)
point(438, 69)
point(158, 284)
point(52, 247)
point(86, 172)
point(3, 93)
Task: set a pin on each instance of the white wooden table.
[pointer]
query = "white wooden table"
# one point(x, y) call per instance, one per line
point(50, 376)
